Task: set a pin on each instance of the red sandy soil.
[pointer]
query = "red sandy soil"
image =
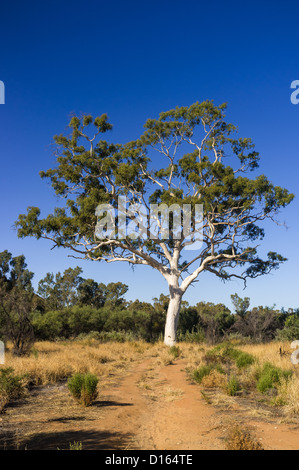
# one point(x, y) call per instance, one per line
point(150, 408)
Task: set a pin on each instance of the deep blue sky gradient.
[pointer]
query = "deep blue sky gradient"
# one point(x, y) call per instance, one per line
point(133, 60)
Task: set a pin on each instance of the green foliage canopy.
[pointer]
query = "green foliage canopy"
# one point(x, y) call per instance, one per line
point(201, 161)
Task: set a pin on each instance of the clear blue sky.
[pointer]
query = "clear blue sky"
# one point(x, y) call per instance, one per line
point(133, 60)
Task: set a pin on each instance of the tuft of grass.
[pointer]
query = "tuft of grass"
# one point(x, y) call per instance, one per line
point(241, 439)
point(175, 351)
point(171, 394)
point(215, 379)
point(206, 398)
point(164, 356)
point(76, 445)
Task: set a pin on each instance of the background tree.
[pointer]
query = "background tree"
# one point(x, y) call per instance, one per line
point(200, 162)
point(91, 293)
point(241, 305)
point(260, 324)
point(114, 294)
point(153, 318)
point(16, 300)
point(290, 331)
point(61, 290)
point(214, 320)
point(189, 320)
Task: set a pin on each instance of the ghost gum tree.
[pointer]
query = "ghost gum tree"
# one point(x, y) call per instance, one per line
point(189, 155)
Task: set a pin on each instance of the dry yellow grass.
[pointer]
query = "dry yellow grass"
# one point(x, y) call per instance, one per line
point(52, 362)
point(171, 394)
point(269, 352)
point(222, 400)
point(193, 354)
point(288, 396)
point(214, 380)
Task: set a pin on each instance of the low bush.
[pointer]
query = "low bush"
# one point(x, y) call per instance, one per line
point(203, 371)
point(241, 359)
point(244, 360)
point(83, 387)
point(270, 377)
point(11, 386)
point(233, 386)
point(215, 379)
point(225, 353)
point(214, 356)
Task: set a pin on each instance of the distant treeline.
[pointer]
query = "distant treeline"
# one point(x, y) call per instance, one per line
point(66, 306)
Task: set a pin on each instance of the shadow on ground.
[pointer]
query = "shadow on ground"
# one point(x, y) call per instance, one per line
point(91, 440)
point(111, 403)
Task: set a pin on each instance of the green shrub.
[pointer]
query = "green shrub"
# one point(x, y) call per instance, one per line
point(218, 368)
point(237, 356)
point(214, 356)
point(244, 360)
point(201, 372)
point(83, 387)
point(11, 386)
point(224, 353)
point(269, 377)
point(290, 331)
point(233, 386)
point(49, 325)
point(231, 353)
point(10, 383)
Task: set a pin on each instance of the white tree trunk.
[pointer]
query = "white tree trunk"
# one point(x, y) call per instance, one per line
point(172, 318)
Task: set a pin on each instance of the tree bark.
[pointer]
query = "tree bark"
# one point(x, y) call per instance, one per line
point(172, 317)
